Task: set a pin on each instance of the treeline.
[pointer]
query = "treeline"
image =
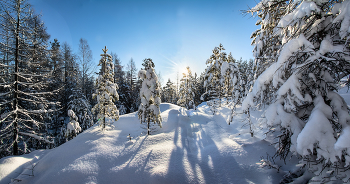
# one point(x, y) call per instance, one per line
point(46, 88)
point(224, 78)
point(40, 81)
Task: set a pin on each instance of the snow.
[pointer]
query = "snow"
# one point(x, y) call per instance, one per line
point(73, 126)
point(344, 17)
point(192, 147)
point(36, 137)
point(304, 9)
point(271, 73)
point(318, 130)
point(248, 101)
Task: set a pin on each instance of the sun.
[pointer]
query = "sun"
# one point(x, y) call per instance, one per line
point(182, 69)
point(176, 69)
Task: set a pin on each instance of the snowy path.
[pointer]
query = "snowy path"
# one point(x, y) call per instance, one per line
point(195, 149)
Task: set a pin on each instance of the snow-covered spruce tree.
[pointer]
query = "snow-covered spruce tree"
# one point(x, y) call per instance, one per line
point(76, 99)
point(200, 95)
point(229, 78)
point(119, 75)
point(311, 117)
point(187, 89)
point(150, 96)
point(213, 76)
point(250, 72)
point(71, 75)
point(266, 43)
point(247, 72)
point(73, 127)
point(232, 83)
point(57, 84)
point(106, 92)
point(197, 90)
point(245, 86)
point(169, 92)
point(81, 106)
point(133, 87)
point(90, 89)
point(23, 98)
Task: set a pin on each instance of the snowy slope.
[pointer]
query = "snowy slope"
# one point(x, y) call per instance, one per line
point(192, 147)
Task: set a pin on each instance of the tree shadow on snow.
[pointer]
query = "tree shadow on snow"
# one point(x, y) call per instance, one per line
point(122, 170)
point(198, 160)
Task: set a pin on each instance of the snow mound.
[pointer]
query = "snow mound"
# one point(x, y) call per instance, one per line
point(192, 147)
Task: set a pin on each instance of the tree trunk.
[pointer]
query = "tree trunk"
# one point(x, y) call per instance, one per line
point(15, 92)
point(148, 122)
point(104, 116)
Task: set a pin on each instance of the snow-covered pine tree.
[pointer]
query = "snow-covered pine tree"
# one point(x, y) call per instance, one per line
point(23, 98)
point(186, 92)
point(213, 76)
point(150, 96)
point(312, 118)
point(106, 92)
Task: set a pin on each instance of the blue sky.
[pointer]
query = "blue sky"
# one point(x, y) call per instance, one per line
point(175, 34)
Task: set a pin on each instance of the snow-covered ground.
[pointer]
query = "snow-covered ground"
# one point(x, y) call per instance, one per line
point(191, 147)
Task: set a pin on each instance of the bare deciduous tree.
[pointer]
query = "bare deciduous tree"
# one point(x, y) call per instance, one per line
point(85, 61)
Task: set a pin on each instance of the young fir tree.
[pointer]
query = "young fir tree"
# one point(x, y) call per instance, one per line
point(150, 96)
point(23, 99)
point(213, 76)
point(312, 118)
point(186, 92)
point(106, 92)
point(73, 127)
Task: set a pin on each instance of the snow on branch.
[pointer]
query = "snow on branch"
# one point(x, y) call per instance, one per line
point(36, 137)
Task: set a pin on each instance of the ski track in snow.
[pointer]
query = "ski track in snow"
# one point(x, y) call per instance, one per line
point(199, 148)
